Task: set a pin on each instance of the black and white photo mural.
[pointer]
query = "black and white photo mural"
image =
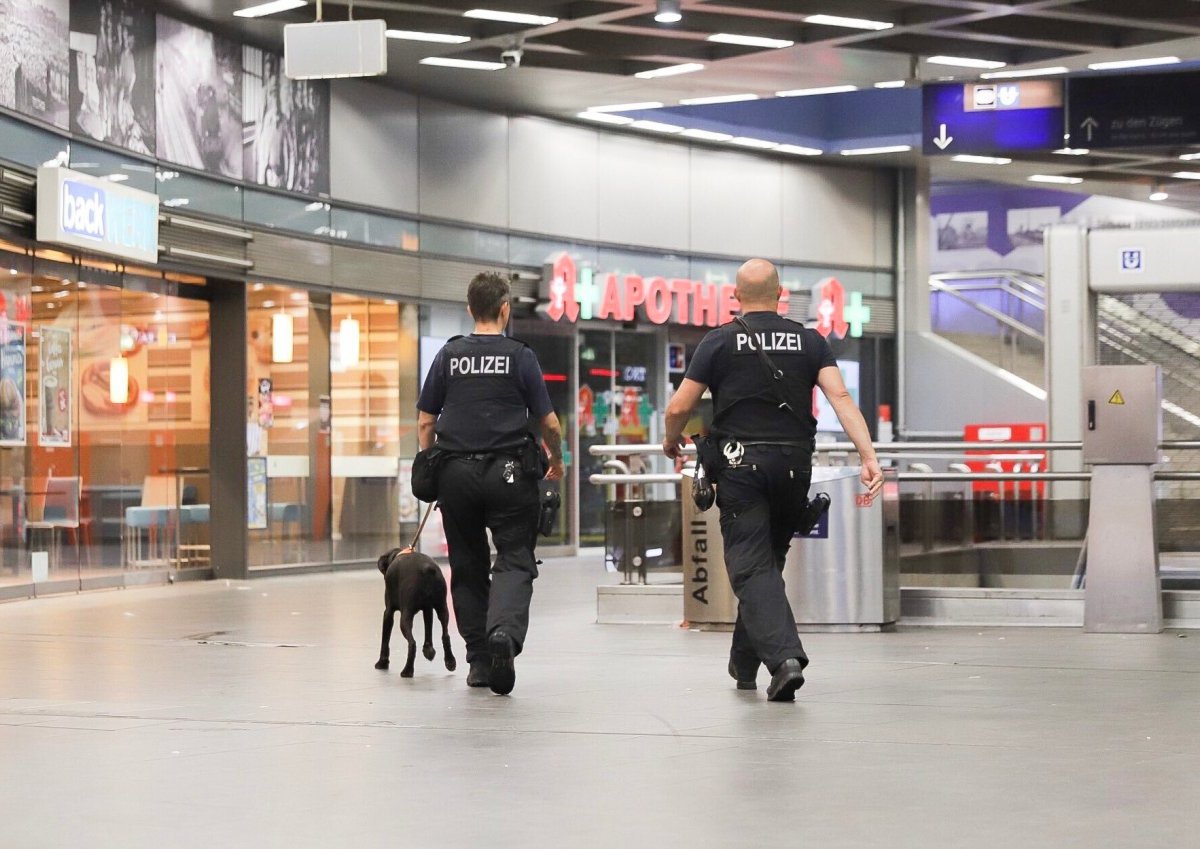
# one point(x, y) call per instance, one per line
point(286, 126)
point(34, 76)
point(112, 73)
point(199, 78)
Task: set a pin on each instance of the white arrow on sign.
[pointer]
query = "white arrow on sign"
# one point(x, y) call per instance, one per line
point(943, 140)
point(1090, 124)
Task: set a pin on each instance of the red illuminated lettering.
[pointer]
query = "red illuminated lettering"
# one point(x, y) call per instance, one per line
point(635, 294)
point(562, 290)
point(682, 290)
point(729, 304)
point(610, 303)
point(658, 301)
point(706, 301)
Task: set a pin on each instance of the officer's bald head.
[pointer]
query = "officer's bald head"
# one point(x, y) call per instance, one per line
point(757, 285)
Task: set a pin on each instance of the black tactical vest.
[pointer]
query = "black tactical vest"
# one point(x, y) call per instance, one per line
point(484, 410)
point(745, 404)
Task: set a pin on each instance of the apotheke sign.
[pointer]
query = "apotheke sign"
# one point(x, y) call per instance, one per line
point(581, 294)
point(96, 215)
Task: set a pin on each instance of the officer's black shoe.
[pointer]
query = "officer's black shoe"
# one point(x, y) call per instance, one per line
point(503, 674)
point(813, 512)
point(478, 676)
point(745, 675)
point(787, 678)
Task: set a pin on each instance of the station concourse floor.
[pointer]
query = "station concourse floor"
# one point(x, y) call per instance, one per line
point(249, 714)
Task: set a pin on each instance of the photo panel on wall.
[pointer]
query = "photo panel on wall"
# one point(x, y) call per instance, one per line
point(34, 76)
point(112, 73)
point(286, 126)
point(199, 101)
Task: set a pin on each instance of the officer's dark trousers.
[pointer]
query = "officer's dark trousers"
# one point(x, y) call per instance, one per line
point(761, 501)
point(474, 498)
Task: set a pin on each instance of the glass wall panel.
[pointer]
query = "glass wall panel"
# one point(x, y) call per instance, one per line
point(104, 425)
point(189, 193)
point(30, 146)
point(373, 364)
point(288, 426)
point(370, 228)
point(97, 162)
point(285, 213)
point(464, 242)
point(555, 349)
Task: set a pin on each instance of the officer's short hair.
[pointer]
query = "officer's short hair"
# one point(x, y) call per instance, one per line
point(487, 292)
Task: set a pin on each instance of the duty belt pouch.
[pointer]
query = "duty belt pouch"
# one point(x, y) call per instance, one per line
point(425, 468)
point(533, 459)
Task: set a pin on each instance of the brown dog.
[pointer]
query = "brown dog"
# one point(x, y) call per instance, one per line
point(413, 583)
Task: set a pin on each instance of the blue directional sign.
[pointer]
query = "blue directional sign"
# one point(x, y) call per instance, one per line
point(992, 118)
point(1134, 111)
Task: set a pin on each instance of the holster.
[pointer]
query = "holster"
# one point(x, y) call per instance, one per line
point(534, 463)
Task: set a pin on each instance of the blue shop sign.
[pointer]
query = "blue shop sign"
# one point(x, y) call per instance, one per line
point(84, 212)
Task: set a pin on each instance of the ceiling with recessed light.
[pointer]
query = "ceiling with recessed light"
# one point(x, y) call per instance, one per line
point(576, 54)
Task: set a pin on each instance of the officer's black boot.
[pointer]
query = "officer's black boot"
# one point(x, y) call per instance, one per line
point(787, 678)
point(480, 668)
point(503, 674)
point(744, 670)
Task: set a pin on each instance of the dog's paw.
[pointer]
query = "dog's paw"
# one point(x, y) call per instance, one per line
point(451, 663)
point(406, 672)
point(429, 652)
point(381, 664)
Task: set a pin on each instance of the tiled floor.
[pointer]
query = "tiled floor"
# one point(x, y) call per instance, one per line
point(249, 715)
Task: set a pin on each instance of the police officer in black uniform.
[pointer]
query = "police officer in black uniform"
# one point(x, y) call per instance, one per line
point(765, 462)
point(486, 401)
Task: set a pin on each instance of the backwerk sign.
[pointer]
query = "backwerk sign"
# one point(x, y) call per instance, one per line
point(96, 215)
point(582, 294)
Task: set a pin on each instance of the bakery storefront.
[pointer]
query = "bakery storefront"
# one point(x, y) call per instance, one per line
point(173, 413)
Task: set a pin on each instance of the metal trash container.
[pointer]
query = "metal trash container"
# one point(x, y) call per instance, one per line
point(843, 576)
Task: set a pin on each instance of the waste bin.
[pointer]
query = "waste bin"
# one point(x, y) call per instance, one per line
point(708, 600)
point(844, 576)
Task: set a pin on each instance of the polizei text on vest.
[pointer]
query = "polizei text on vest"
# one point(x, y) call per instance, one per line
point(482, 364)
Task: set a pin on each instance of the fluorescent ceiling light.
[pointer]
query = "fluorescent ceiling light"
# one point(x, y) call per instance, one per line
point(706, 135)
point(870, 151)
point(758, 144)
point(1158, 194)
point(467, 64)
point(1188, 157)
point(271, 8)
point(982, 160)
point(1032, 72)
point(806, 92)
point(719, 98)
point(799, 150)
point(892, 84)
point(849, 23)
point(604, 118)
point(1187, 175)
point(1135, 63)
point(749, 40)
point(436, 37)
point(670, 71)
point(964, 62)
point(1073, 151)
point(656, 127)
point(627, 107)
point(118, 178)
point(510, 17)
point(1055, 178)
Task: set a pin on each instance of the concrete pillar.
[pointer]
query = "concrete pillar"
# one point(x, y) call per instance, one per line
point(912, 277)
point(1070, 345)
